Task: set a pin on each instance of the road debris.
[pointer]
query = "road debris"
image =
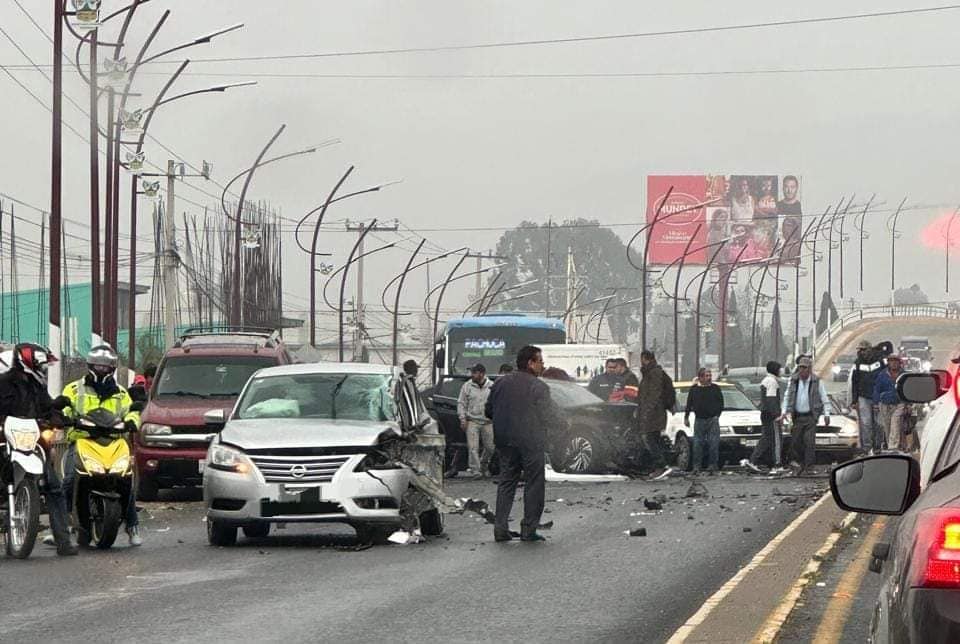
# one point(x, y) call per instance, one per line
point(652, 505)
point(546, 526)
point(696, 490)
point(552, 476)
point(402, 537)
point(637, 532)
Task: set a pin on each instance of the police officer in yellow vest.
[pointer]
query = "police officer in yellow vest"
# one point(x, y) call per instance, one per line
point(99, 389)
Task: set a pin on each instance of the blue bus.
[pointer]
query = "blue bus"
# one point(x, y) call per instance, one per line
point(492, 340)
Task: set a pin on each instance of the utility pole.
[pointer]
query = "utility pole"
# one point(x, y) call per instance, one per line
point(547, 274)
point(358, 306)
point(55, 379)
point(478, 285)
point(169, 264)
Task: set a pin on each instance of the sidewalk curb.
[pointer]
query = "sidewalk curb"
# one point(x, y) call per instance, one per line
point(771, 628)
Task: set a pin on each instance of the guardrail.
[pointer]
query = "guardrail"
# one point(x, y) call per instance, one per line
point(883, 311)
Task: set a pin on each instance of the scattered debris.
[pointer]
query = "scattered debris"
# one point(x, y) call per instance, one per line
point(748, 529)
point(652, 505)
point(477, 507)
point(553, 476)
point(789, 499)
point(689, 517)
point(637, 532)
point(402, 537)
point(696, 490)
point(545, 526)
point(167, 529)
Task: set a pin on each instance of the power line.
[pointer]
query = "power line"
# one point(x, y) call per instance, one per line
point(582, 39)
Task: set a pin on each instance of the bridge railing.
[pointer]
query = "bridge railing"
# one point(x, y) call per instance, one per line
point(883, 311)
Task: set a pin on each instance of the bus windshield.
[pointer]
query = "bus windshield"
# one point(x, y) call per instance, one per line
point(493, 346)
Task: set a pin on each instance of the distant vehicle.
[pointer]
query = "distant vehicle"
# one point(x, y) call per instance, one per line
point(920, 567)
point(206, 369)
point(492, 340)
point(581, 361)
point(840, 370)
point(915, 346)
point(311, 443)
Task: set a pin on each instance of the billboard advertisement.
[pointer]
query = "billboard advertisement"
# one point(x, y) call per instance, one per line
point(759, 214)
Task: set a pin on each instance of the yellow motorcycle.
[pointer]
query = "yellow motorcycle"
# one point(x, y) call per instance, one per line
point(104, 478)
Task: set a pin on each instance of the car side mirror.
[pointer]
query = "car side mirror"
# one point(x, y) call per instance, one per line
point(923, 387)
point(886, 484)
point(215, 419)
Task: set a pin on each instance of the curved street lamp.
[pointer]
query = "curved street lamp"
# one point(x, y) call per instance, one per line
point(892, 227)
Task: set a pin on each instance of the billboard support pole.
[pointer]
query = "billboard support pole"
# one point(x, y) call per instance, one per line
point(676, 304)
point(644, 269)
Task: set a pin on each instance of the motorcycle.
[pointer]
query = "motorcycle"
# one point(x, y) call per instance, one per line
point(21, 471)
point(104, 478)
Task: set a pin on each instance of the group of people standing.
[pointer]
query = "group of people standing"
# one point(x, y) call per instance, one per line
point(881, 415)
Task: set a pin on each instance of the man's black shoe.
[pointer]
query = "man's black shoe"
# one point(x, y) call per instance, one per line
point(67, 550)
point(533, 537)
point(500, 537)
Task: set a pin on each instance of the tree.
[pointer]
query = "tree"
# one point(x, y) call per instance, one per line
point(600, 258)
point(912, 295)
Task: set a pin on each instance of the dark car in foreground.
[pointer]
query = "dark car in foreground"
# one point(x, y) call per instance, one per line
point(920, 596)
point(589, 439)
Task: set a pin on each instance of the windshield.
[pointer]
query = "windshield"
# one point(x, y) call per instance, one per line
point(493, 346)
point(365, 397)
point(569, 394)
point(207, 376)
point(733, 399)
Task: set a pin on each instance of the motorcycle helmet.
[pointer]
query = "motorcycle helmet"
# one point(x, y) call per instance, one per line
point(102, 362)
point(33, 360)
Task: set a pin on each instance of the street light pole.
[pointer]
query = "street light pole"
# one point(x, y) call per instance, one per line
point(95, 295)
point(893, 253)
point(436, 315)
point(54, 340)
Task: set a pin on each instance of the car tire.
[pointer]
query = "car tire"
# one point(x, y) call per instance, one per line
point(378, 536)
point(257, 530)
point(220, 533)
point(431, 523)
point(581, 452)
point(148, 489)
point(684, 449)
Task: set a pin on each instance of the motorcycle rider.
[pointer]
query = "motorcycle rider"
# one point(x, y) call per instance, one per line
point(23, 394)
point(99, 389)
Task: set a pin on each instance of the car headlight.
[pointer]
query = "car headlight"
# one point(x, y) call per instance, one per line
point(228, 459)
point(23, 440)
point(152, 429)
point(92, 466)
point(927, 365)
point(121, 465)
point(726, 429)
point(835, 368)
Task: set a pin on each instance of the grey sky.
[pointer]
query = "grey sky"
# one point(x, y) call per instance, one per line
point(492, 152)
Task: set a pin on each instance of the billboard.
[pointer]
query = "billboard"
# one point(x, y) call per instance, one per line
point(758, 214)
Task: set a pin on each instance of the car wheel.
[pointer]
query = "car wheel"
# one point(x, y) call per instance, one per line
point(431, 523)
point(378, 536)
point(582, 453)
point(220, 533)
point(684, 451)
point(257, 530)
point(148, 489)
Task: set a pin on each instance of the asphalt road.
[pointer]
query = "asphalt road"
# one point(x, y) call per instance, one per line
point(589, 581)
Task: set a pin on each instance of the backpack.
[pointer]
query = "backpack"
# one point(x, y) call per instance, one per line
point(669, 393)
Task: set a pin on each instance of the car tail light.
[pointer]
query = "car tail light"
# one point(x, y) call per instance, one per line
point(937, 551)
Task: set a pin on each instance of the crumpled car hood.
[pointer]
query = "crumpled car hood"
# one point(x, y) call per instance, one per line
point(267, 433)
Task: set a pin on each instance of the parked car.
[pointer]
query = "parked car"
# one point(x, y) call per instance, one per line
point(840, 369)
point(204, 370)
point(920, 592)
point(306, 443)
point(740, 426)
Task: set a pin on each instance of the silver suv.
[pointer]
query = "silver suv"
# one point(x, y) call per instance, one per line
point(305, 443)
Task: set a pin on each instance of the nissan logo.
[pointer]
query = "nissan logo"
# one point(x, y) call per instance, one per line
point(298, 471)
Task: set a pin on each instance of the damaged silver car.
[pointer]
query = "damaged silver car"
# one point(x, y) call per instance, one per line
point(327, 442)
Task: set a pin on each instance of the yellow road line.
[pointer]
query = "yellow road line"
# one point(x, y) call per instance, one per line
point(838, 609)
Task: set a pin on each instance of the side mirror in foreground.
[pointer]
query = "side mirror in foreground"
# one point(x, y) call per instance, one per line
point(923, 387)
point(887, 484)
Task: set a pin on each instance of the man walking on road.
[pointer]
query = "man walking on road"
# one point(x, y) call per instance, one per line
point(656, 396)
point(805, 402)
point(473, 420)
point(863, 377)
point(522, 411)
point(770, 403)
point(892, 409)
point(705, 400)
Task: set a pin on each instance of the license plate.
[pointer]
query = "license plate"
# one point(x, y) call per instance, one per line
point(826, 440)
point(750, 442)
point(201, 465)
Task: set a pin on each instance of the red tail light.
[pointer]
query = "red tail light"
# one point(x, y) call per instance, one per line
point(937, 551)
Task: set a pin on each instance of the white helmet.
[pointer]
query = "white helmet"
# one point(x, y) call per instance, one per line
point(102, 362)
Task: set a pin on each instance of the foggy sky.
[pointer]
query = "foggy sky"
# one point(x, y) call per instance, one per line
point(492, 152)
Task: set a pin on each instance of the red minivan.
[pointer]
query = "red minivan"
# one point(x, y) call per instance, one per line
point(205, 370)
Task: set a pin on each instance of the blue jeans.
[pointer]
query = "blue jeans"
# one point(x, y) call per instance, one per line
point(706, 430)
point(871, 435)
point(70, 478)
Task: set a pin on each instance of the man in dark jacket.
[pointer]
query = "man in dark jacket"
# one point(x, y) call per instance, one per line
point(23, 394)
point(863, 377)
point(805, 401)
point(705, 400)
point(522, 411)
point(656, 397)
point(607, 382)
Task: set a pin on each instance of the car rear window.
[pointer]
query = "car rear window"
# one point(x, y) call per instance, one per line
point(207, 376)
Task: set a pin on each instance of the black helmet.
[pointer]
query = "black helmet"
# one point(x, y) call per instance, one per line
point(33, 360)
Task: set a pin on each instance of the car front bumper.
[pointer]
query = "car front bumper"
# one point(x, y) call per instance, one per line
point(249, 498)
point(171, 466)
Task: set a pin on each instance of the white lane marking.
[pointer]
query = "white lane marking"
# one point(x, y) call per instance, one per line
point(768, 632)
point(708, 606)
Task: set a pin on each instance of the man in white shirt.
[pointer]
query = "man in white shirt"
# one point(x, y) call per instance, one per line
point(768, 447)
point(805, 401)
